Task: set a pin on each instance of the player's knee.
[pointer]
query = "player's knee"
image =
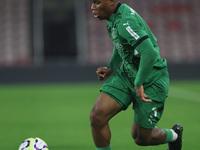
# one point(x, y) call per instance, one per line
point(96, 119)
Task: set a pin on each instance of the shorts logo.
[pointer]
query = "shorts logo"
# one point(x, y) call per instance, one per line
point(150, 121)
point(155, 112)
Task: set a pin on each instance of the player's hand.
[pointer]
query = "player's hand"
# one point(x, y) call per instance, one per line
point(141, 95)
point(103, 72)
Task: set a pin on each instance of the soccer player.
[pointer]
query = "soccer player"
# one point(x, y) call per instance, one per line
point(142, 78)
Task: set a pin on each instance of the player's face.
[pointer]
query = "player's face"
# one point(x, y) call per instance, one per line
point(101, 8)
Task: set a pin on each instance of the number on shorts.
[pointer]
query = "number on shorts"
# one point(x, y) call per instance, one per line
point(155, 112)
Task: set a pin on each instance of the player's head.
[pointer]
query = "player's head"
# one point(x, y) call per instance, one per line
point(103, 9)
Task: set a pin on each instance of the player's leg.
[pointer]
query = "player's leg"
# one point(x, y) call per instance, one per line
point(156, 136)
point(146, 116)
point(104, 109)
point(115, 96)
point(144, 137)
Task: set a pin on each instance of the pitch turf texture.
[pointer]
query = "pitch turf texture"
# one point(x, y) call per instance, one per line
point(59, 114)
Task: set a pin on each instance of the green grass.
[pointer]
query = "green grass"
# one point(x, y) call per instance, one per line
point(59, 114)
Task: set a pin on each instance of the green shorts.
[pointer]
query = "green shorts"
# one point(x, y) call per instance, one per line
point(122, 90)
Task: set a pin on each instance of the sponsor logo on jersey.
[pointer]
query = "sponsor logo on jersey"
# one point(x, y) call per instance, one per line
point(132, 11)
point(126, 24)
point(135, 35)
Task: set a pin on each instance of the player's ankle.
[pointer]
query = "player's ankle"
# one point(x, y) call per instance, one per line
point(175, 136)
point(171, 135)
point(104, 148)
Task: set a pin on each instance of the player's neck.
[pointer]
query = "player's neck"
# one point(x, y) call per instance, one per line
point(115, 8)
point(117, 5)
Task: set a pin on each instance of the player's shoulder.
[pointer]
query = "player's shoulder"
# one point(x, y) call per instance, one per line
point(128, 14)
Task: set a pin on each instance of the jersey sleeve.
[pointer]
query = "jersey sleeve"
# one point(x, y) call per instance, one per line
point(115, 60)
point(131, 30)
point(148, 56)
point(134, 33)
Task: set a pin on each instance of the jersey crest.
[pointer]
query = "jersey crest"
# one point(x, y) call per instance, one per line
point(119, 46)
point(114, 33)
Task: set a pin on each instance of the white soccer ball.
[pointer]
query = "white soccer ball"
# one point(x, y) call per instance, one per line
point(34, 143)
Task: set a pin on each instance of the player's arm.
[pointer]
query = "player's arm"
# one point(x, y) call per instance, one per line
point(115, 60)
point(104, 72)
point(148, 56)
point(147, 59)
point(132, 31)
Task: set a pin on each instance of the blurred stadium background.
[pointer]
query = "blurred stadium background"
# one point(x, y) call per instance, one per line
point(59, 41)
point(44, 40)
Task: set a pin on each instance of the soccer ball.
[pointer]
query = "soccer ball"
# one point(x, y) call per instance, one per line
point(34, 143)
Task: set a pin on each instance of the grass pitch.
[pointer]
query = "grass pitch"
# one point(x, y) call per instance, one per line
point(59, 114)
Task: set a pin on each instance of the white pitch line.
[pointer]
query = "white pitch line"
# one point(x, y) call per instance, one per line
point(184, 94)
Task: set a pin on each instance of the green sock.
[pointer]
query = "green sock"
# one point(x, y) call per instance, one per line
point(104, 148)
point(169, 137)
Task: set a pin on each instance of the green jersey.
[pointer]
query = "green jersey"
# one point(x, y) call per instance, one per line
point(135, 46)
